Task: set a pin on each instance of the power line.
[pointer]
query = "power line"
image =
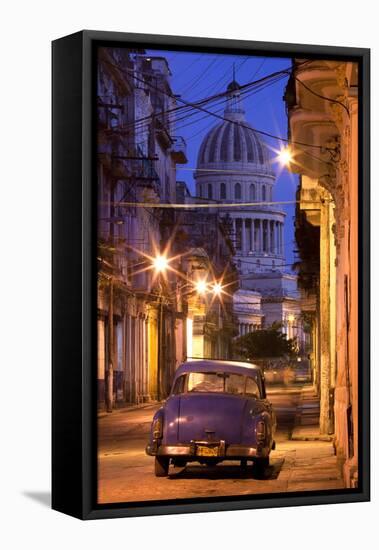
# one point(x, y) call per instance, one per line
point(249, 93)
point(224, 78)
point(208, 205)
point(219, 98)
point(200, 76)
point(200, 108)
point(322, 96)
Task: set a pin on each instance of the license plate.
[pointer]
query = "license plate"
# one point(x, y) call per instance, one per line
point(203, 450)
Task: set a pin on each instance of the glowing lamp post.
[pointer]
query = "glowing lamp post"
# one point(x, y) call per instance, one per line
point(217, 289)
point(160, 264)
point(201, 287)
point(285, 156)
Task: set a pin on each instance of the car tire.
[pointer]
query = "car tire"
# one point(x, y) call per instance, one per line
point(261, 464)
point(161, 465)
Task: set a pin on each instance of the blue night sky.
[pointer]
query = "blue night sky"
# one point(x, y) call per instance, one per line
point(197, 75)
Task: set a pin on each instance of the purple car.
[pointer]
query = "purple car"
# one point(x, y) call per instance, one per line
point(217, 410)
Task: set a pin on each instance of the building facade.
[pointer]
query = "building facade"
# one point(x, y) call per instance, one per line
point(143, 313)
point(234, 167)
point(322, 100)
point(204, 242)
point(137, 327)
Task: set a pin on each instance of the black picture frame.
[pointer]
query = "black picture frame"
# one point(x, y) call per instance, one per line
point(74, 276)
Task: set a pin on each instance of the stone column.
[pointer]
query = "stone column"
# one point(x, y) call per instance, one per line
point(324, 318)
point(243, 236)
point(281, 239)
point(268, 236)
point(260, 235)
point(252, 234)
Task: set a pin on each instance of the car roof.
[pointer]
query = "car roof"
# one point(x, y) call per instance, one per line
point(213, 365)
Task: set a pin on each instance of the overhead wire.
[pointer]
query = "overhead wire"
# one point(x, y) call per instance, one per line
point(200, 108)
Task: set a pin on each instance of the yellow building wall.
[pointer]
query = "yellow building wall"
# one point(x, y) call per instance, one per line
point(152, 335)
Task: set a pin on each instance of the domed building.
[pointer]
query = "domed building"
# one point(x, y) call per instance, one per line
point(234, 166)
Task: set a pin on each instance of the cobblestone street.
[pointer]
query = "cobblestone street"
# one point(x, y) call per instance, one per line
point(301, 462)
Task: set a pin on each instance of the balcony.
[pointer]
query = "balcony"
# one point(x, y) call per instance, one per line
point(179, 150)
point(144, 170)
point(162, 130)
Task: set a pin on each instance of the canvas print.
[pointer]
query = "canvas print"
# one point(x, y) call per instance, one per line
point(227, 275)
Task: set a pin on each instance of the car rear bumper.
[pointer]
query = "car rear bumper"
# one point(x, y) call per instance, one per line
point(224, 451)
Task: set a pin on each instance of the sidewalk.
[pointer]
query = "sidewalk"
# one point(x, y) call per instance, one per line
point(309, 457)
point(307, 426)
point(129, 407)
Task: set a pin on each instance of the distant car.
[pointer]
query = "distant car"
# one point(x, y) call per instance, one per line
point(216, 411)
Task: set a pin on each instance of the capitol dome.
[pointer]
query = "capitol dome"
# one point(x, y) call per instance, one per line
point(234, 167)
point(234, 140)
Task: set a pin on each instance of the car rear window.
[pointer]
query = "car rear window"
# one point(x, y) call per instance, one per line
point(214, 382)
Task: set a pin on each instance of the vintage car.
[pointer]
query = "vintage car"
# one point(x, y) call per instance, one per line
point(216, 411)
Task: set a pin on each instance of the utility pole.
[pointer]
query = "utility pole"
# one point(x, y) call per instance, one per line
point(109, 371)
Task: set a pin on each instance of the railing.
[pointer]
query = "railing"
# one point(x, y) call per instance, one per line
point(145, 167)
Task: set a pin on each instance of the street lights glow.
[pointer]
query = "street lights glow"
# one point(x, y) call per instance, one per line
point(160, 264)
point(285, 156)
point(201, 287)
point(217, 288)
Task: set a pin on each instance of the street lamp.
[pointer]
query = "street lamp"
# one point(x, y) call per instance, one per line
point(285, 156)
point(201, 286)
point(160, 263)
point(217, 289)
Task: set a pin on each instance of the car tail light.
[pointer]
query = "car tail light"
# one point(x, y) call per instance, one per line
point(261, 430)
point(157, 428)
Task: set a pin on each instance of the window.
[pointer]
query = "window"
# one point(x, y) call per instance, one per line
point(252, 192)
point(252, 388)
point(263, 192)
point(179, 385)
point(216, 382)
point(237, 191)
point(222, 191)
point(205, 382)
point(210, 191)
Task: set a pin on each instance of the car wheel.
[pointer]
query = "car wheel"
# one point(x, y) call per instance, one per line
point(261, 464)
point(161, 464)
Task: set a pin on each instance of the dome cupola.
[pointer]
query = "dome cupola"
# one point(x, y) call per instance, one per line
point(234, 140)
